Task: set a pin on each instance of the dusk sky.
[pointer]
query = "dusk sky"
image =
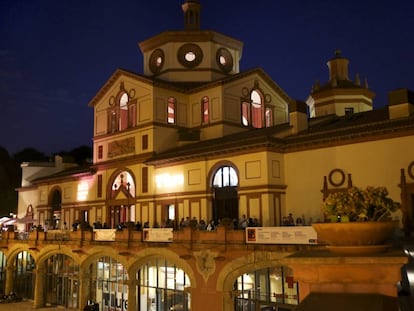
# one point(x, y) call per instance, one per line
point(55, 55)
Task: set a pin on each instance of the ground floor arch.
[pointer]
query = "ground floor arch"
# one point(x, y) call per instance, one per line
point(260, 281)
point(153, 278)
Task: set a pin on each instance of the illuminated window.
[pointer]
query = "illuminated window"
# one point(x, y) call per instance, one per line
point(257, 109)
point(111, 283)
point(268, 117)
point(161, 286)
point(272, 287)
point(125, 181)
point(122, 113)
point(205, 113)
point(254, 113)
point(83, 189)
point(245, 114)
point(171, 110)
point(23, 274)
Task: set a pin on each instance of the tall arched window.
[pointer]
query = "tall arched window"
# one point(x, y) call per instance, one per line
point(205, 110)
point(257, 109)
point(253, 111)
point(24, 275)
point(266, 289)
point(111, 284)
point(62, 281)
point(122, 194)
point(122, 112)
point(55, 213)
point(225, 198)
point(171, 106)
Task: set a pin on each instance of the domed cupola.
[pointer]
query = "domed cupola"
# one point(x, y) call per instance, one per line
point(339, 95)
point(192, 54)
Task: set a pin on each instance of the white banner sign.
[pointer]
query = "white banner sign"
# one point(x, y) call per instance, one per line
point(104, 234)
point(158, 234)
point(281, 235)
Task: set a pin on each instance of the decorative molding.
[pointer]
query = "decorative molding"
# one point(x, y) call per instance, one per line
point(206, 265)
point(121, 147)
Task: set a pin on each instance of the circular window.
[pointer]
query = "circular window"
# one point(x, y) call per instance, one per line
point(224, 60)
point(190, 55)
point(337, 177)
point(156, 61)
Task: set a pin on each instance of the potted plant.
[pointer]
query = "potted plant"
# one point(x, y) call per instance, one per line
point(356, 204)
point(357, 220)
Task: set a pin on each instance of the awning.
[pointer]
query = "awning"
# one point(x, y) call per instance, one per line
point(9, 222)
point(3, 220)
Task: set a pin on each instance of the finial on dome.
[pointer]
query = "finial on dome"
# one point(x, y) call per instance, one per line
point(338, 53)
point(191, 9)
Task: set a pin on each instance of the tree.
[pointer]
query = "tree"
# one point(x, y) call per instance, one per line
point(9, 181)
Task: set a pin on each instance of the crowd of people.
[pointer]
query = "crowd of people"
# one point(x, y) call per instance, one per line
point(193, 223)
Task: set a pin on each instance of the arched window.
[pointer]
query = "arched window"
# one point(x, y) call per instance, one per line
point(171, 106)
point(24, 274)
point(266, 288)
point(245, 113)
point(225, 176)
point(122, 193)
point(253, 111)
point(124, 180)
point(225, 198)
point(62, 281)
point(122, 113)
point(111, 284)
point(257, 109)
point(205, 110)
point(162, 287)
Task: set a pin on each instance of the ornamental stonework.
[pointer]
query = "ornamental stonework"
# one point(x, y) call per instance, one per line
point(121, 147)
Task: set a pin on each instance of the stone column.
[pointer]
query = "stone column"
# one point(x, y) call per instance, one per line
point(9, 279)
point(132, 298)
point(84, 289)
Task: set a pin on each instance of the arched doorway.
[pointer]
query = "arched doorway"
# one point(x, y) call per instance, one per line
point(24, 275)
point(62, 281)
point(109, 284)
point(225, 196)
point(266, 290)
point(162, 287)
point(55, 203)
point(122, 197)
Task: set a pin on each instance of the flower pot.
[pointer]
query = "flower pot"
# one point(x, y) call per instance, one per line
point(356, 237)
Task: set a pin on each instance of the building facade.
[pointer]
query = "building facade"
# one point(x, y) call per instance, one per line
point(194, 138)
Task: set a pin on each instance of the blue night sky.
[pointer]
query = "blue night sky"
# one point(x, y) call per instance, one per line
point(56, 54)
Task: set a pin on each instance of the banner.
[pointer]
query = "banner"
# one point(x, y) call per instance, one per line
point(281, 235)
point(158, 234)
point(104, 234)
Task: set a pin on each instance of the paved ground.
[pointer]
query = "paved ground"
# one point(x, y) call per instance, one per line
point(28, 306)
